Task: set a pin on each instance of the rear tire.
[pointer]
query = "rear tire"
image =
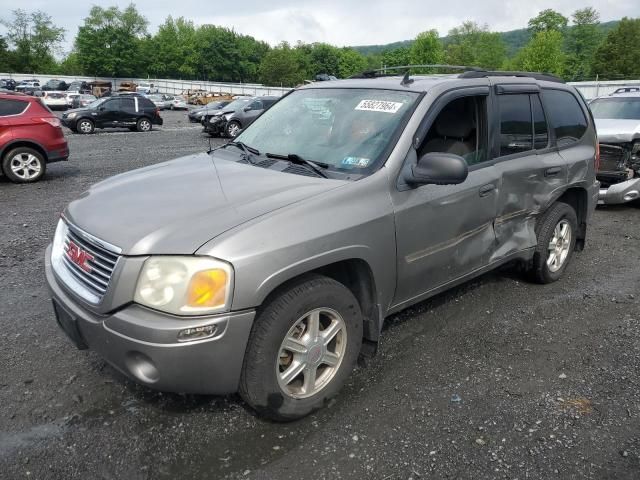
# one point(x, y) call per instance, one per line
point(144, 125)
point(556, 231)
point(24, 165)
point(323, 356)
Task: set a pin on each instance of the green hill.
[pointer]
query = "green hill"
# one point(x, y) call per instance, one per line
point(514, 40)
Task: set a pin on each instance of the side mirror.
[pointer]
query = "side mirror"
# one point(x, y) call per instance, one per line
point(101, 109)
point(246, 109)
point(438, 169)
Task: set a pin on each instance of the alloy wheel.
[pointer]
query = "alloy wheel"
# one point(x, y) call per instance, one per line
point(26, 166)
point(559, 246)
point(311, 353)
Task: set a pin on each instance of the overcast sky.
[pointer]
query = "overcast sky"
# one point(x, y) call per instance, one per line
point(339, 22)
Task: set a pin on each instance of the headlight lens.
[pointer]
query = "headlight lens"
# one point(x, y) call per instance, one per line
point(185, 285)
point(72, 115)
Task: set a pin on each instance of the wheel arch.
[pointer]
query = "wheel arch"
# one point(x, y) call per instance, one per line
point(24, 143)
point(578, 198)
point(358, 277)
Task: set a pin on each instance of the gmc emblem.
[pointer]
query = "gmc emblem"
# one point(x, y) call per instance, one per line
point(78, 256)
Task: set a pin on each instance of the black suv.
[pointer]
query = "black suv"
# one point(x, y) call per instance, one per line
point(54, 84)
point(135, 112)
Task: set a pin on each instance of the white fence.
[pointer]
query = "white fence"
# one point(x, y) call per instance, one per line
point(165, 85)
point(590, 89)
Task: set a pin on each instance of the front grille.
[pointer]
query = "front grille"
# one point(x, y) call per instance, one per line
point(612, 158)
point(98, 264)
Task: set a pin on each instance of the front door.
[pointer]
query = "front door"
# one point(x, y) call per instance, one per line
point(446, 232)
point(109, 113)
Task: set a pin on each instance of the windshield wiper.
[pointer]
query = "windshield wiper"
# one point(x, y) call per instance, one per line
point(295, 158)
point(246, 149)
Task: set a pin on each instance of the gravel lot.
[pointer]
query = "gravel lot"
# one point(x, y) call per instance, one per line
point(498, 378)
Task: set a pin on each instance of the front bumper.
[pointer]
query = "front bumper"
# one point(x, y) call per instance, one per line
point(622, 192)
point(142, 343)
point(217, 128)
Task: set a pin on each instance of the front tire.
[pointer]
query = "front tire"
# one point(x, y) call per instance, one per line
point(304, 344)
point(85, 126)
point(232, 129)
point(24, 165)
point(557, 233)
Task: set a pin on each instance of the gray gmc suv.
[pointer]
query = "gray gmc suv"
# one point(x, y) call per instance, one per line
point(268, 265)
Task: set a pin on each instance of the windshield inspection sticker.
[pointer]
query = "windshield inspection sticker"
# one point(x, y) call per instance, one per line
point(359, 162)
point(379, 106)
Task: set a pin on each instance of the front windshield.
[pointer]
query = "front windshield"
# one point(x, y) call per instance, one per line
point(237, 104)
point(621, 108)
point(345, 129)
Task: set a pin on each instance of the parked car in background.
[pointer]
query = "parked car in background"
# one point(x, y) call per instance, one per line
point(28, 85)
point(244, 113)
point(83, 100)
point(618, 123)
point(55, 100)
point(79, 86)
point(266, 265)
point(198, 114)
point(30, 137)
point(55, 84)
point(146, 87)
point(160, 100)
point(70, 96)
point(178, 102)
point(8, 83)
point(132, 111)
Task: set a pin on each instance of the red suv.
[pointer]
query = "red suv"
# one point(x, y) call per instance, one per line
point(30, 137)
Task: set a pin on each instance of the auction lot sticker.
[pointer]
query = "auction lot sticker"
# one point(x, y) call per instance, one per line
point(379, 106)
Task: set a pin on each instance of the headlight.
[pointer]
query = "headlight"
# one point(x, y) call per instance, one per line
point(72, 115)
point(635, 151)
point(185, 285)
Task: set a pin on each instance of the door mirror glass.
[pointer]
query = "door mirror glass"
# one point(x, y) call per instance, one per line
point(438, 169)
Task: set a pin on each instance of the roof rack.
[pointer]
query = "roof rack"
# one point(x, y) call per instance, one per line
point(497, 73)
point(382, 72)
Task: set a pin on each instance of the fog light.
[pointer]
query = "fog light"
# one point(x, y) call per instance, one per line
point(196, 333)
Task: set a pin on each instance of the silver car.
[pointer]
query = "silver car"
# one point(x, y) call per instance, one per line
point(618, 124)
point(268, 265)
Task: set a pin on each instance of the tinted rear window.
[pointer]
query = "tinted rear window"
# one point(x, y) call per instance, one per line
point(12, 107)
point(565, 116)
point(146, 103)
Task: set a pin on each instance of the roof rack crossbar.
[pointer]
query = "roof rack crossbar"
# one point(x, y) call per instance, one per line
point(382, 72)
point(497, 73)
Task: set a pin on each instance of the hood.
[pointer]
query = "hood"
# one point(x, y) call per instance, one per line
point(75, 110)
point(612, 130)
point(177, 206)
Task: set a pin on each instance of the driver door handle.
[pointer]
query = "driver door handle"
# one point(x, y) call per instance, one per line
point(550, 172)
point(487, 189)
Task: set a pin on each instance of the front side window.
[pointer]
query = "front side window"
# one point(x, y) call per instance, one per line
point(617, 108)
point(565, 116)
point(112, 105)
point(459, 129)
point(345, 129)
point(12, 107)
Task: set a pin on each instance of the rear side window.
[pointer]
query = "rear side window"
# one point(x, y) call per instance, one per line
point(516, 128)
point(146, 103)
point(12, 107)
point(565, 116)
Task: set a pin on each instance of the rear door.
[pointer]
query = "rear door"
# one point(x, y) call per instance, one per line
point(531, 169)
point(127, 110)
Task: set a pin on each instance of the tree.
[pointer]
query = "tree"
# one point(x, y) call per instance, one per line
point(171, 52)
point(581, 43)
point(426, 49)
point(109, 43)
point(35, 40)
point(619, 55)
point(471, 44)
point(283, 65)
point(542, 54)
point(396, 58)
point(350, 63)
point(5, 56)
point(548, 20)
